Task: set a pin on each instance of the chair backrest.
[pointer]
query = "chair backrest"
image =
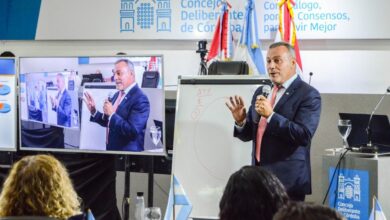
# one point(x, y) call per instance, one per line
point(93, 77)
point(150, 79)
point(228, 68)
point(96, 80)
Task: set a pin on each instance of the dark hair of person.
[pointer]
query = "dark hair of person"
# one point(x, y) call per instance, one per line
point(252, 193)
point(290, 48)
point(307, 211)
point(7, 54)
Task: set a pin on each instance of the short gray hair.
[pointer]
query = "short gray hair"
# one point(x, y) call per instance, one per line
point(128, 63)
point(289, 47)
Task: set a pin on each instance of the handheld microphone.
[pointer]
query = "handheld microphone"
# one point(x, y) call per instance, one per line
point(110, 96)
point(266, 90)
point(371, 148)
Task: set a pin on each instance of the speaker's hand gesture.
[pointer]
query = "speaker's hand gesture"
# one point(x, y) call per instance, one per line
point(237, 108)
point(89, 102)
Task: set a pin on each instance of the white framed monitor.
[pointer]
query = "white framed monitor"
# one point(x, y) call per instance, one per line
point(110, 104)
point(8, 112)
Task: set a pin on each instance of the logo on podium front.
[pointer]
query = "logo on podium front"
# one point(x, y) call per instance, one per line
point(349, 192)
point(349, 188)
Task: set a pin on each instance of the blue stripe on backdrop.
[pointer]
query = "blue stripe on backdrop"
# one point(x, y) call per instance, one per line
point(19, 19)
point(83, 60)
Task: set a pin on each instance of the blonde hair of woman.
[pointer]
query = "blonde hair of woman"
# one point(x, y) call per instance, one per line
point(39, 185)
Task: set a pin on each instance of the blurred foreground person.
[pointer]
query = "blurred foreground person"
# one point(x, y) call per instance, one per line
point(252, 193)
point(307, 211)
point(39, 185)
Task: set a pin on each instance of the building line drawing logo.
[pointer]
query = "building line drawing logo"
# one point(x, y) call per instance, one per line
point(349, 188)
point(145, 15)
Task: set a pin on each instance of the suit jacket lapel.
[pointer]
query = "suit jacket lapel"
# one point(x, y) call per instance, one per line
point(114, 98)
point(288, 93)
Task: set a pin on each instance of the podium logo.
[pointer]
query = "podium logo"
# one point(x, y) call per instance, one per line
point(349, 188)
point(136, 15)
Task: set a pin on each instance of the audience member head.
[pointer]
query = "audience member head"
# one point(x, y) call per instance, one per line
point(7, 54)
point(252, 193)
point(307, 211)
point(38, 185)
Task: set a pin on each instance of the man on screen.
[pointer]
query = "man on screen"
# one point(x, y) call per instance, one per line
point(62, 103)
point(126, 116)
point(282, 125)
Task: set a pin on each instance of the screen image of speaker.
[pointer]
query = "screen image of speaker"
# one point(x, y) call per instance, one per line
point(54, 115)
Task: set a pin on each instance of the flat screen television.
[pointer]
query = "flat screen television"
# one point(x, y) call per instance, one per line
point(55, 100)
point(8, 112)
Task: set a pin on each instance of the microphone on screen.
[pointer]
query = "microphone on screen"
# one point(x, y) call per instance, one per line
point(110, 96)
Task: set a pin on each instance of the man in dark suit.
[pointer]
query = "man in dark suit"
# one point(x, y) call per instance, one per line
point(62, 103)
point(282, 125)
point(126, 116)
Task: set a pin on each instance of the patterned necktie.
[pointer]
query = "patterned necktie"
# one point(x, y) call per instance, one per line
point(118, 100)
point(263, 124)
point(115, 106)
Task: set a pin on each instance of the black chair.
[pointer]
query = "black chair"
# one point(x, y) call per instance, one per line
point(93, 77)
point(96, 80)
point(150, 79)
point(228, 68)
